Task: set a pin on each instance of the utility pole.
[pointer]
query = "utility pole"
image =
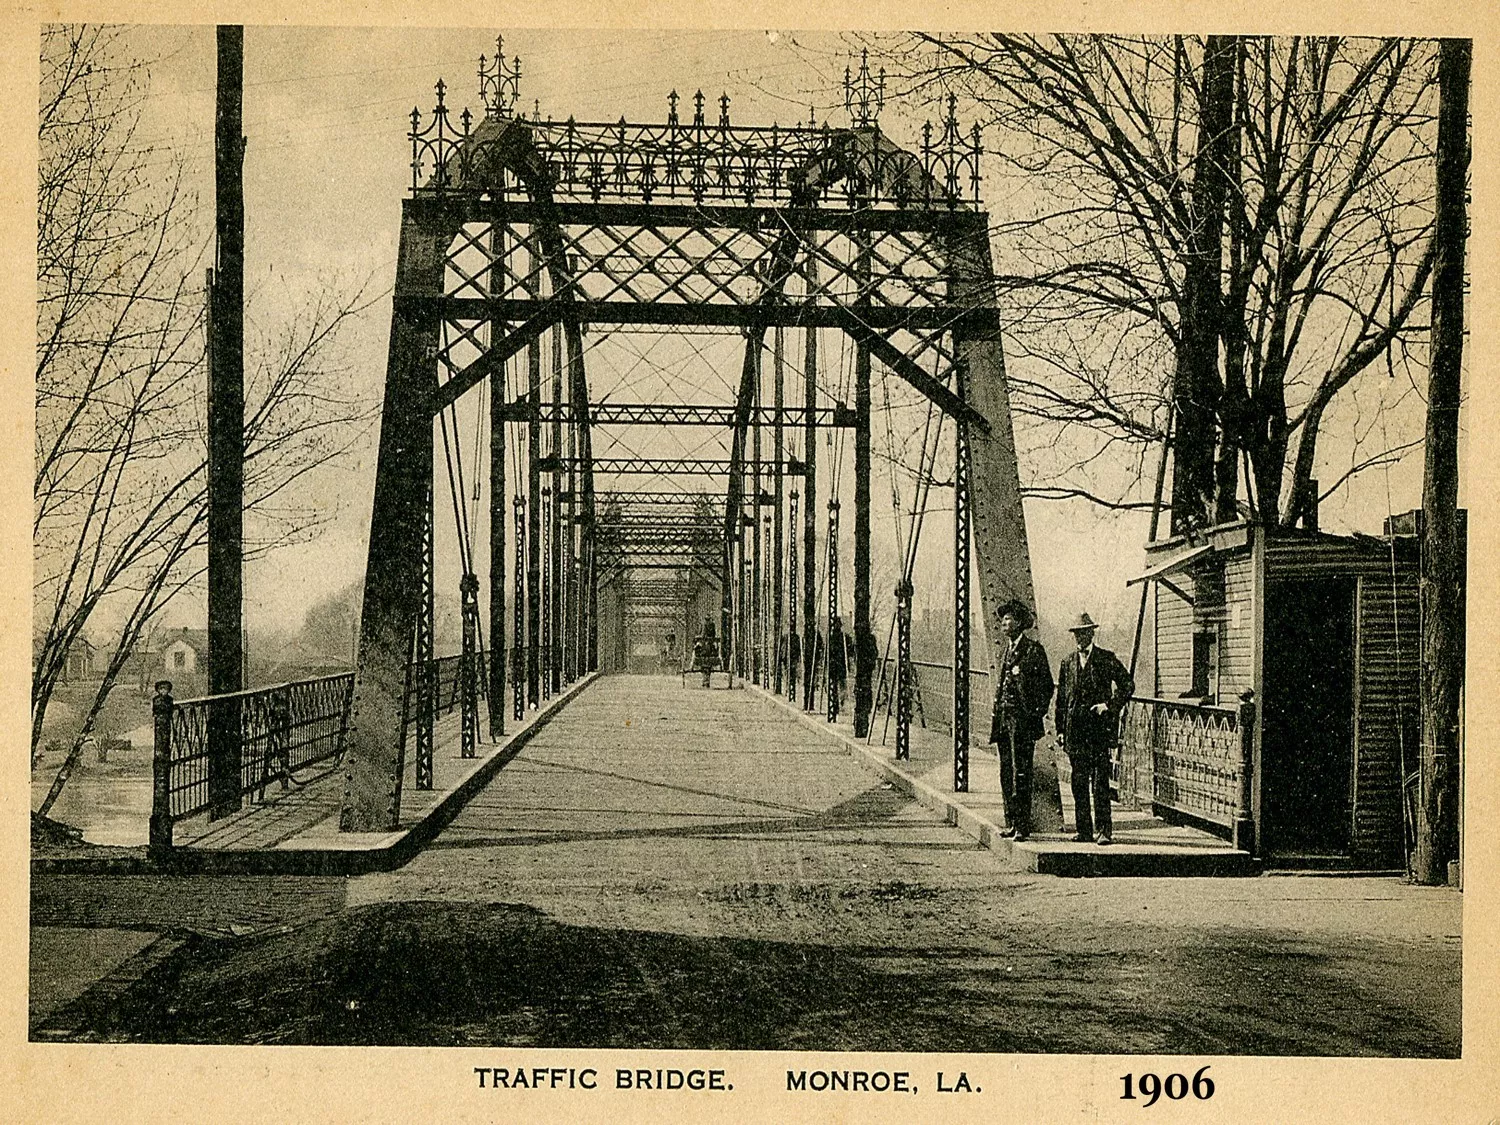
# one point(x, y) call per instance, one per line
point(1442, 559)
point(226, 426)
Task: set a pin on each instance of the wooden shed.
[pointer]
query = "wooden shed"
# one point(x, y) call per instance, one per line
point(1278, 694)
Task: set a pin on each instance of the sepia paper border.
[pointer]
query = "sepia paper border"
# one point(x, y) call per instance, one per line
point(137, 1083)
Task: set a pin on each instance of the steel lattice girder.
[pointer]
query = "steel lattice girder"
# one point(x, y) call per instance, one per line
point(698, 501)
point(677, 414)
point(663, 465)
point(677, 524)
point(643, 263)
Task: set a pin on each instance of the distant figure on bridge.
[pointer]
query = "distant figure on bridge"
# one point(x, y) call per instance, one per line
point(706, 650)
point(1022, 694)
point(1092, 689)
point(838, 663)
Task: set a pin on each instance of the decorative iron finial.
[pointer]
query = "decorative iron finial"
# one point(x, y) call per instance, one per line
point(500, 83)
point(723, 111)
point(698, 108)
point(864, 96)
point(672, 108)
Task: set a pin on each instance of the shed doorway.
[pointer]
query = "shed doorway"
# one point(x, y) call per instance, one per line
point(1307, 741)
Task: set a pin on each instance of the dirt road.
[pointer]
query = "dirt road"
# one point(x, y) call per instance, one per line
point(662, 868)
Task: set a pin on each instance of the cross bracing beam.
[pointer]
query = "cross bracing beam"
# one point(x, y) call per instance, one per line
point(899, 362)
point(684, 497)
point(642, 533)
point(805, 220)
point(493, 359)
point(678, 414)
point(656, 522)
point(712, 466)
point(791, 314)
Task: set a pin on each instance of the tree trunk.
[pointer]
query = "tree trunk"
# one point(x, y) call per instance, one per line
point(1234, 406)
point(1442, 563)
point(1196, 383)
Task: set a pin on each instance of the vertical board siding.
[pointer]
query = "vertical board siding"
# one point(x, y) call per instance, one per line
point(1237, 643)
point(1387, 725)
point(1174, 644)
point(1387, 676)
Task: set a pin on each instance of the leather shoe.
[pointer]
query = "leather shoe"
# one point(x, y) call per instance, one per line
point(1022, 837)
point(1080, 838)
point(1103, 838)
point(1007, 832)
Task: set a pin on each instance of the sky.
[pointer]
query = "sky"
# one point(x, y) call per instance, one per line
point(327, 165)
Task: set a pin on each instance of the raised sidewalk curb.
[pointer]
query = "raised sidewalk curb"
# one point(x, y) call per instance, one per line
point(1063, 858)
point(349, 854)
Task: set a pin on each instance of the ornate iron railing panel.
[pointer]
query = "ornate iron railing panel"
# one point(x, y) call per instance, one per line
point(1184, 756)
point(701, 161)
point(284, 729)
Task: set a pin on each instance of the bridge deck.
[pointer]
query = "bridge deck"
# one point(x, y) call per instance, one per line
point(1144, 845)
point(640, 757)
point(644, 782)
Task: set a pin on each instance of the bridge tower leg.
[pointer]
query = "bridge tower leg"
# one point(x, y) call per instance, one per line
point(403, 475)
point(757, 605)
point(999, 523)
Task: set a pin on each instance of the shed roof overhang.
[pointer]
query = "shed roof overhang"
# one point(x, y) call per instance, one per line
point(1179, 560)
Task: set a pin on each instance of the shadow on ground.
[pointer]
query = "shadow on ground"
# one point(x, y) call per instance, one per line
point(426, 973)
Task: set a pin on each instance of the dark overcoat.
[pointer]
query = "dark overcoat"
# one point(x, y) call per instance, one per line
point(1079, 689)
point(1025, 682)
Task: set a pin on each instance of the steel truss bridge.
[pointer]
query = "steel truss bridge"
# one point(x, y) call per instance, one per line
point(519, 236)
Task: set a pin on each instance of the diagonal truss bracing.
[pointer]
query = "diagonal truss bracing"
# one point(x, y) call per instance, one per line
point(517, 230)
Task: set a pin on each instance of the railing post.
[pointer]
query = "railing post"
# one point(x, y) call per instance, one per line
point(467, 672)
point(161, 768)
point(278, 752)
point(903, 670)
point(1244, 822)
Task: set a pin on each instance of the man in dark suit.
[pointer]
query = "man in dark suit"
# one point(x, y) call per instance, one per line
point(1092, 689)
point(1022, 692)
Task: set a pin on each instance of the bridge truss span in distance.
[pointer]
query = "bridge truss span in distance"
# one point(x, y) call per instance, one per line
point(617, 491)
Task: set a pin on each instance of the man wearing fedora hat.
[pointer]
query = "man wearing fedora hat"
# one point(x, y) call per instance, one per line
point(1022, 693)
point(1092, 687)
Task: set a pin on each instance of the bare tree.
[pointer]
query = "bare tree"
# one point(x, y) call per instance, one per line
point(1245, 221)
point(1443, 567)
point(120, 486)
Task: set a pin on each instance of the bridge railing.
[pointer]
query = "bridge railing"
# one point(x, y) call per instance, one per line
point(1189, 757)
point(932, 697)
point(282, 730)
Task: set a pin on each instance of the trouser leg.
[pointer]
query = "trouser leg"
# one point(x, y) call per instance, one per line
point(1102, 818)
point(1005, 750)
point(1079, 782)
point(1024, 750)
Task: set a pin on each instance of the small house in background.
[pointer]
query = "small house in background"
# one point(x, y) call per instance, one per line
point(1280, 704)
point(181, 655)
point(80, 666)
